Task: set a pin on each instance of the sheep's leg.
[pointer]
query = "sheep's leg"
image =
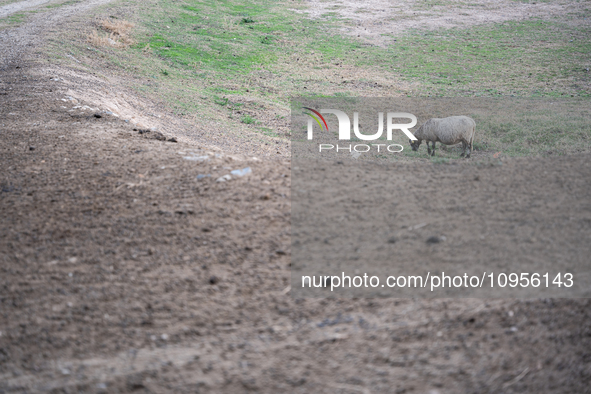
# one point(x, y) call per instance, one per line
point(463, 149)
point(431, 150)
point(469, 151)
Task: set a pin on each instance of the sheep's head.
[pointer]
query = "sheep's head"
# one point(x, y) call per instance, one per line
point(415, 144)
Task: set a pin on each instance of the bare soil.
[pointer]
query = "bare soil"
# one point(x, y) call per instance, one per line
point(121, 270)
point(499, 216)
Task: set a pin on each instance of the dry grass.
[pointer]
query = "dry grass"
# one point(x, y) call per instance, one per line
point(118, 27)
point(229, 23)
point(117, 34)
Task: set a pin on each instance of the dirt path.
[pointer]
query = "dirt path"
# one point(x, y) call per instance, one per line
point(125, 266)
point(19, 6)
point(14, 42)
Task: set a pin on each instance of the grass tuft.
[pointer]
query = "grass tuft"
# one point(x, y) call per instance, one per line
point(116, 34)
point(119, 27)
point(247, 119)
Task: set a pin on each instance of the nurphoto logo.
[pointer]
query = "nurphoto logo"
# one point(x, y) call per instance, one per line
point(344, 130)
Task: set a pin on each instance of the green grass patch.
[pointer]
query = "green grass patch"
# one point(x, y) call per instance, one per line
point(217, 36)
point(268, 132)
point(527, 58)
point(247, 119)
point(14, 19)
point(246, 20)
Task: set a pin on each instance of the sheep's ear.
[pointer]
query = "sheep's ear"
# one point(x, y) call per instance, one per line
point(410, 142)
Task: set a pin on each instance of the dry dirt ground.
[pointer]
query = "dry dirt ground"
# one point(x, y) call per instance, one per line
point(520, 215)
point(121, 270)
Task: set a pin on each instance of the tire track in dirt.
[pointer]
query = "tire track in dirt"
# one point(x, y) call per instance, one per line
point(21, 5)
point(15, 42)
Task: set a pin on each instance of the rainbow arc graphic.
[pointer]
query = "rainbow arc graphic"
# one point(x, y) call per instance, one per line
point(316, 119)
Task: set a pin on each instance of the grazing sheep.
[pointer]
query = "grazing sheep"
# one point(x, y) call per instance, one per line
point(448, 131)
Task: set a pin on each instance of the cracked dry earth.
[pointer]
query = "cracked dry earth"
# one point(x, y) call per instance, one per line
point(121, 271)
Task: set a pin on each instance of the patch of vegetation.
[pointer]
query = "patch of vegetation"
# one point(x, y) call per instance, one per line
point(480, 146)
point(197, 35)
point(68, 2)
point(221, 101)
point(520, 127)
point(439, 160)
point(258, 53)
point(261, 49)
point(268, 132)
point(527, 58)
point(14, 19)
point(247, 119)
